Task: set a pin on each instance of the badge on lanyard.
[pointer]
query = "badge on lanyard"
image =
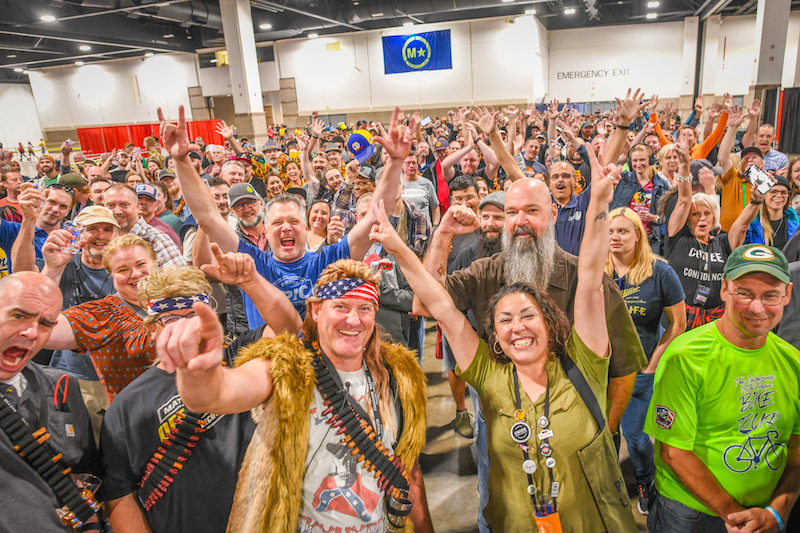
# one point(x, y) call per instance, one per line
point(520, 432)
point(543, 422)
point(529, 466)
point(545, 434)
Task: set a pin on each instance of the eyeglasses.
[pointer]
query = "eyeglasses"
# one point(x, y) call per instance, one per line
point(747, 297)
point(565, 175)
point(166, 320)
point(244, 204)
point(773, 192)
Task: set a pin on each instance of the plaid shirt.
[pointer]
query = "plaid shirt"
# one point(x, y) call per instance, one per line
point(420, 227)
point(166, 251)
point(775, 160)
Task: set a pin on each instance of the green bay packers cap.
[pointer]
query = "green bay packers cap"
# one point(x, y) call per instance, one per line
point(360, 145)
point(750, 258)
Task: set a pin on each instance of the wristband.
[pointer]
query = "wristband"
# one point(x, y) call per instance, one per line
point(621, 127)
point(683, 179)
point(315, 136)
point(777, 517)
point(756, 203)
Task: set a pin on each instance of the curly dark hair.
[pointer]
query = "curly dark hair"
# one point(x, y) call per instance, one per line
point(558, 326)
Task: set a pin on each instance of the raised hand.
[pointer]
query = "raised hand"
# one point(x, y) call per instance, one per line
point(714, 110)
point(458, 220)
point(225, 130)
point(602, 178)
point(397, 141)
point(552, 110)
point(698, 105)
point(192, 344)
point(176, 136)
point(316, 126)
point(727, 102)
point(487, 119)
point(653, 104)
point(51, 249)
point(735, 116)
point(755, 109)
point(5, 157)
point(383, 232)
point(31, 201)
point(232, 268)
point(669, 109)
point(473, 133)
point(335, 230)
point(628, 108)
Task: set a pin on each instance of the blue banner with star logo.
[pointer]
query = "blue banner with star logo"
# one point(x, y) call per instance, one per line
point(420, 51)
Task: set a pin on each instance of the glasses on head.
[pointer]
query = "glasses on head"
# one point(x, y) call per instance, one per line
point(746, 297)
point(64, 188)
point(166, 320)
point(250, 202)
point(773, 192)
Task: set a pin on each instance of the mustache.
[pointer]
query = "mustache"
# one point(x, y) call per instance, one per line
point(523, 230)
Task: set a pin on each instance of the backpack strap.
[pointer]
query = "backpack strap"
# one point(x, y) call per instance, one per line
point(582, 386)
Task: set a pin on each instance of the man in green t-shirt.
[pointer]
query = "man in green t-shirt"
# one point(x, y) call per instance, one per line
point(725, 411)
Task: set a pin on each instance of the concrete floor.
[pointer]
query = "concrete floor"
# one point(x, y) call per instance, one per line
point(448, 463)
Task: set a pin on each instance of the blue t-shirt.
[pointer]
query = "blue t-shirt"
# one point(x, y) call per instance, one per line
point(570, 221)
point(8, 234)
point(646, 301)
point(296, 279)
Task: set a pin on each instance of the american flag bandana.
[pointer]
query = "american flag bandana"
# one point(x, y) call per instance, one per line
point(348, 288)
point(177, 303)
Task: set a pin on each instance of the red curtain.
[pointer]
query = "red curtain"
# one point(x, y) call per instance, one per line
point(91, 140)
point(98, 140)
point(207, 129)
point(137, 133)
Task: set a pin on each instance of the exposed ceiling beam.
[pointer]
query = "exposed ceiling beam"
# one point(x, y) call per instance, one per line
point(31, 50)
point(701, 8)
point(72, 58)
point(121, 10)
point(272, 6)
point(719, 6)
point(83, 38)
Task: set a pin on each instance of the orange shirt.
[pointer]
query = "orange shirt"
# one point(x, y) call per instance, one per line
point(734, 197)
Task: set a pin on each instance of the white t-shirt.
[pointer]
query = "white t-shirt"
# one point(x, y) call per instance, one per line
point(338, 492)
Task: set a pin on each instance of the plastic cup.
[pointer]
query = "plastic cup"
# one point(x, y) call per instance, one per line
point(76, 232)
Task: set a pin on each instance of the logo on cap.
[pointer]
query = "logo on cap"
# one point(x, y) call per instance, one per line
point(759, 253)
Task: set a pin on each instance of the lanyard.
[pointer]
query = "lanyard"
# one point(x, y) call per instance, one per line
point(528, 465)
point(373, 398)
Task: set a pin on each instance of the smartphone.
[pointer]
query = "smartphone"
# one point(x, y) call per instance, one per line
point(561, 143)
point(425, 121)
point(759, 179)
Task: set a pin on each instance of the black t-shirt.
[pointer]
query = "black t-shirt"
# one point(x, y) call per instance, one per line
point(699, 265)
point(136, 423)
point(780, 232)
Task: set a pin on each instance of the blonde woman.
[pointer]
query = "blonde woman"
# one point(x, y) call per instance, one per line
point(649, 287)
point(767, 219)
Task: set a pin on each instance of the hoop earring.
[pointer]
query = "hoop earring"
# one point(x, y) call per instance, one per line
point(496, 348)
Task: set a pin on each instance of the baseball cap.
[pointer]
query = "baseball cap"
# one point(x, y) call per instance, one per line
point(586, 124)
point(95, 214)
point(47, 156)
point(166, 173)
point(440, 144)
point(72, 179)
point(241, 191)
point(360, 145)
point(270, 145)
point(147, 190)
point(330, 147)
point(245, 157)
point(195, 155)
point(497, 198)
point(338, 138)
point(750, 258)
point(367, 172)
point(752, 149)
point(696, 164)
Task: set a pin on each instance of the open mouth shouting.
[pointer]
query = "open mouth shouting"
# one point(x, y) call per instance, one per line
point(13, 357)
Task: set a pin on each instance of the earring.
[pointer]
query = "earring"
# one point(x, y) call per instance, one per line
point(496, 348)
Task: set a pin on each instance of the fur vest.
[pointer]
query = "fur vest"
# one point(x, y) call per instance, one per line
point(269, 489)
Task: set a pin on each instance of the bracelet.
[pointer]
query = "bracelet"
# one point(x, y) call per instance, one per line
point(777, 517)
point(315, 136)
point(621, 127)
point(756, 203)
point(683, 179)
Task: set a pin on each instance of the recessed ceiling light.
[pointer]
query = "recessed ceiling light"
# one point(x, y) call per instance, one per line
point(313, 35)
point(168, 35)
point(651, 16)
point(26, 71)
point(653, 5)
point(507, 1)
point(569, 11)
point(378, 14)
point(79, 63)
point(408, 24)
point(149, 54)
point(212, 60)
point(18, 69)
point(530, 11)
point(48, 18)
point(11, 56)
point(265, 26)
point(84, 48)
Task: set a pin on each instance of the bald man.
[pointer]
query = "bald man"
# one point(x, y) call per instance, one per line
point(531, 255)
point(33, 397)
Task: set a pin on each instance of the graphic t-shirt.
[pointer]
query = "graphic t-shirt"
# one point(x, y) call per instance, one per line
point(339, 494)
point(295, 279)
point(699, 266)
point(646, 301)
point(734, 408)
point(422, 195)
point(641, 202)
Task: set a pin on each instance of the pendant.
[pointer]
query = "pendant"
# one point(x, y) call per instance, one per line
point(520, 432)
point(529, 466)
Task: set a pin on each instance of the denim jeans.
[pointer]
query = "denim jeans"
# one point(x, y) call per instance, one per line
point(639, 446)
point(670, 516)
point(482, 452)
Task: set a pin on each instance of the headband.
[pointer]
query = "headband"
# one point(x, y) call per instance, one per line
point(348, 288)
point(176, 303)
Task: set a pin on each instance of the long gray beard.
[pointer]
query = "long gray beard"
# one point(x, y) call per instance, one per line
point(531, 261)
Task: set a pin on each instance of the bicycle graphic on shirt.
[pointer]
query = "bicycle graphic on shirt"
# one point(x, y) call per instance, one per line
point(754, 452)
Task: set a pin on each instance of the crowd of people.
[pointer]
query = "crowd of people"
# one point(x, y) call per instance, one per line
point(229, 336)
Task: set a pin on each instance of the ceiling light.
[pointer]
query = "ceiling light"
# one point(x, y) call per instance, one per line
point(26, 71)
point(212, 60)
point(378, 14)
point(507, 1)
point(653, 5)
point(265, 27)
point(149, 54)
point(569, 11)
point(408, 24)
point(79, 63)
point(18, 69)
point(48, 18)
point(651, 16)
point(11, 56)
point(168, 35)
point(84, 48)
point(530, 11)
point(313, 35)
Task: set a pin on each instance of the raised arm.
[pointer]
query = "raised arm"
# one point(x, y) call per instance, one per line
point(726, 145)
point(627, 110)
point(227, 133)
point(396, 143)
point(201, 204)
point(23, 254)
point(748, 139)
point(738, 230)
point(463, 340)
point(487, 122)
point(489, 156)
point(273, 305)
point(681, 212)
point(449, 162)
point(306, 168)
point(54, 259)
point(590, 311)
